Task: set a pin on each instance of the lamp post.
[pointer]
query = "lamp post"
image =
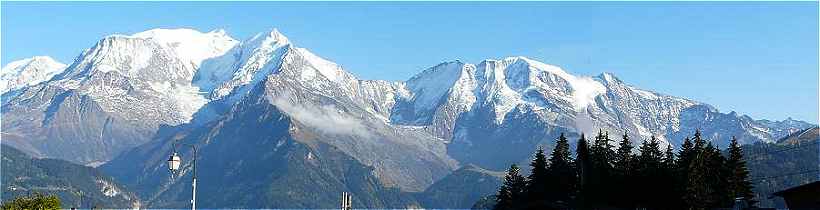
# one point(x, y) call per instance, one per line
point(175, 161)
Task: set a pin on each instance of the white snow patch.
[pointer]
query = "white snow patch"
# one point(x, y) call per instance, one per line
point(186, 98)
point(433, 84)
point(107, 188)
point(95, 164)
point(585, 89)
point(645, 94)
point(329, 70)
point(191, 45)
point(645, 133)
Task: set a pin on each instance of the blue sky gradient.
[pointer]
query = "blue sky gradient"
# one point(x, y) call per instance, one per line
point(756, 58)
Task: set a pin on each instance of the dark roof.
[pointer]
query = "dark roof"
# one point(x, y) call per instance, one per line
point(801, 188)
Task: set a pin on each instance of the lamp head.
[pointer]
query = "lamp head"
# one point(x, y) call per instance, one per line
point(174, 162)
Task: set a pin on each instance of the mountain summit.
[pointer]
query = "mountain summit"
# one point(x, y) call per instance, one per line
point(27, 72)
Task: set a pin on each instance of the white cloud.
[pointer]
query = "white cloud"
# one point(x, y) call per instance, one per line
point(325, 118)
point(585, 90)
point(584, 123)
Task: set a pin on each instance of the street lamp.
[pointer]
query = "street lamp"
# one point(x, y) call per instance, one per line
point(174, 161)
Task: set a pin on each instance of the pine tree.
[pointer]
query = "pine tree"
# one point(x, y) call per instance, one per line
point(583, 166)
point(609, 150)
point(561, 170)
point(649, 170)
point(686, 156)
point(669, 172)
point(717, 177)
point(698, 141)
point(669, 158)
point(706, 187)
point(623, 168)
point(623, 157)
point(601, 150)
point(738, 179)
point(537, 183)
point(511, 192)
point(698, 192)
point(600, 179)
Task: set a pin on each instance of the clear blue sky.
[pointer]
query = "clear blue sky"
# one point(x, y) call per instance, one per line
point(759, 59)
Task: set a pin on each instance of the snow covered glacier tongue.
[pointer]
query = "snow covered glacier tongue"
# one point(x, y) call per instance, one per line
point(117, 94)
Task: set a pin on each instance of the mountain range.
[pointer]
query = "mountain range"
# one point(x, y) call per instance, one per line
point(279, 121)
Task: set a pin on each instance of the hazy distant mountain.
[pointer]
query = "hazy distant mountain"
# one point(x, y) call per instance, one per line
point(243, 101)
point(77, 186)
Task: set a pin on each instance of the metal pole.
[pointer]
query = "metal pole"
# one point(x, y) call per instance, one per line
point(193, 199)
point(193, 182)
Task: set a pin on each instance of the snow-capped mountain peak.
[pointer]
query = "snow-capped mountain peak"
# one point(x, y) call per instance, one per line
point(584, 89)
point(270, 39)
point(328, 69)
point(27, 72)
point(498, 84)
point(432, 84)
point(274, 34)
point(191, 45)
point(247, 64)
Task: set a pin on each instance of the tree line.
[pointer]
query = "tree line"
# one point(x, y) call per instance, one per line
point(601, 176)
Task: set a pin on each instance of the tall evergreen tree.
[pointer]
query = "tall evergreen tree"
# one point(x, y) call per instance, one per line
point(537, 184)
point(686, 156)
point(623, 156)
point(706, 187)
point(699, 143)
point(669, 158)
point(738, 179)
point(562, 177)
point(600, 178)
point(649, 170)
point(584, 168)
point(511, 192)
point(698, 193)
point(717, 177)
point(623, 167)
point(601, 150)
point(669, 179)
point(610, 151)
